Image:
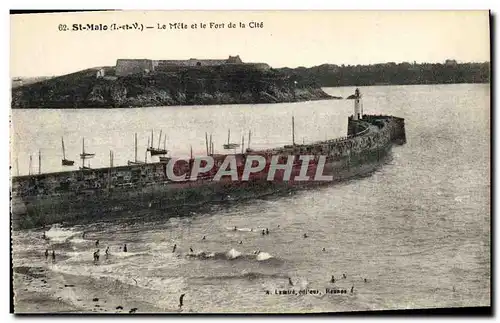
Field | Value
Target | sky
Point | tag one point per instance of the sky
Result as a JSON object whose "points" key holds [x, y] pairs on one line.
{"points": [[286, 38]]}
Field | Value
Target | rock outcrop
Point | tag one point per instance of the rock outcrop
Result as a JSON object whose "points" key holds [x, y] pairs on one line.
{"points": [[190, 86]]}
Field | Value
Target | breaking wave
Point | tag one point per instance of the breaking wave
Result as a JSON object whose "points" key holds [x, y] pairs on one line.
{"points": [[232, 254], [59, 235]]}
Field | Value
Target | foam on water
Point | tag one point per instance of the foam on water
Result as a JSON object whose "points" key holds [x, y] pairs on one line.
{"points": [[58, 234], [233, 254], [263, 256]]}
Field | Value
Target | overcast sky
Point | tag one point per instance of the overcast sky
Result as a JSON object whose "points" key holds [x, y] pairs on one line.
{"points": [[288, 38]]}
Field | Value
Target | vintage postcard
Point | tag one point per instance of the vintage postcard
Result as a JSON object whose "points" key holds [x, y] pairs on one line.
{"points": [[250, 161]]}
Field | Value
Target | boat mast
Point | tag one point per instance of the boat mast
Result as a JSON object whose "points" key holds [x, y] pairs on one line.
{"points": [[165, 143], [228, 135], [191, 152], [135, 147], [242, 144], [83, 153], [39, 162], [211, 145], [29, 170], [293, 130], [249, 136], [151, 138], [159, 141], [109, 171], [206, 142], [64, 151]]}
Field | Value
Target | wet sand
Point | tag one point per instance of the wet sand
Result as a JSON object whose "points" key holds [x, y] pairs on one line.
{"points": [[38, 290]]}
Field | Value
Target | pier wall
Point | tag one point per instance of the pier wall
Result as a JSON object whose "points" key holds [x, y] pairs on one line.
{"points": [[54, 197]]}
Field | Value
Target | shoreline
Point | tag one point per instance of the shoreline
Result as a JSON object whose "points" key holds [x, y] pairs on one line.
{"points": [[151, 105], [39, 290]]}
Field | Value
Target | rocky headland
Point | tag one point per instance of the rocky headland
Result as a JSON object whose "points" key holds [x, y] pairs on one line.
{"points": [[185, 86]]}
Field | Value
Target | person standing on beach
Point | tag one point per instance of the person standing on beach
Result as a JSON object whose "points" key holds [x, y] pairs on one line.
{"points": [[181, 300], [53, 256], [175, 247], [46, 254], [107, 252], [97, 243], [125, 247]]}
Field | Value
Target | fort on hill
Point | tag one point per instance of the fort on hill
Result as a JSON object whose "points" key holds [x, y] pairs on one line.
{"points": [[147, 82], [125, 67]]}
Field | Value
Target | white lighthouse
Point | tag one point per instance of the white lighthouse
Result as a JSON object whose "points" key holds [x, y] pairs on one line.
{"points": [[358, 106]]}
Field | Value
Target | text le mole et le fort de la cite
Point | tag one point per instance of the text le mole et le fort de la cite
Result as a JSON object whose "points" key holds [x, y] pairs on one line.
{"points": [[162, 26]]}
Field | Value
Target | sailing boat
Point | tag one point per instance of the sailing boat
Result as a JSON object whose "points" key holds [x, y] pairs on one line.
{"points": [[165, 159], [157, 151], [65, 162], [85, 155], [230, 145], [135, 161]]}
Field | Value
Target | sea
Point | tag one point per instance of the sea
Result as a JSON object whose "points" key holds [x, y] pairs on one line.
{"points": [[414, 234]]}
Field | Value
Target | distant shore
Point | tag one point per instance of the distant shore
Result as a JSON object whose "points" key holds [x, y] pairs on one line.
{"points": [[451, 72]]}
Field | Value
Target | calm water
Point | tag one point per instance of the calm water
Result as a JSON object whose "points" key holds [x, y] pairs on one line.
{"points": [[418, 229]]}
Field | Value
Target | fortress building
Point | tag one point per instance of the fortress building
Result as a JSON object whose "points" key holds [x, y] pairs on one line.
{"points": [[126, 67]]}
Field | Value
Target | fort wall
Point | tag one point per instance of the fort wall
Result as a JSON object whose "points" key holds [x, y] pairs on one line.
{"points": [[126, 67]]}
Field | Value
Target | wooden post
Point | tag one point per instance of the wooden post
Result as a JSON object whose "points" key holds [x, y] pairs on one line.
{"points": [[39, 162]]}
